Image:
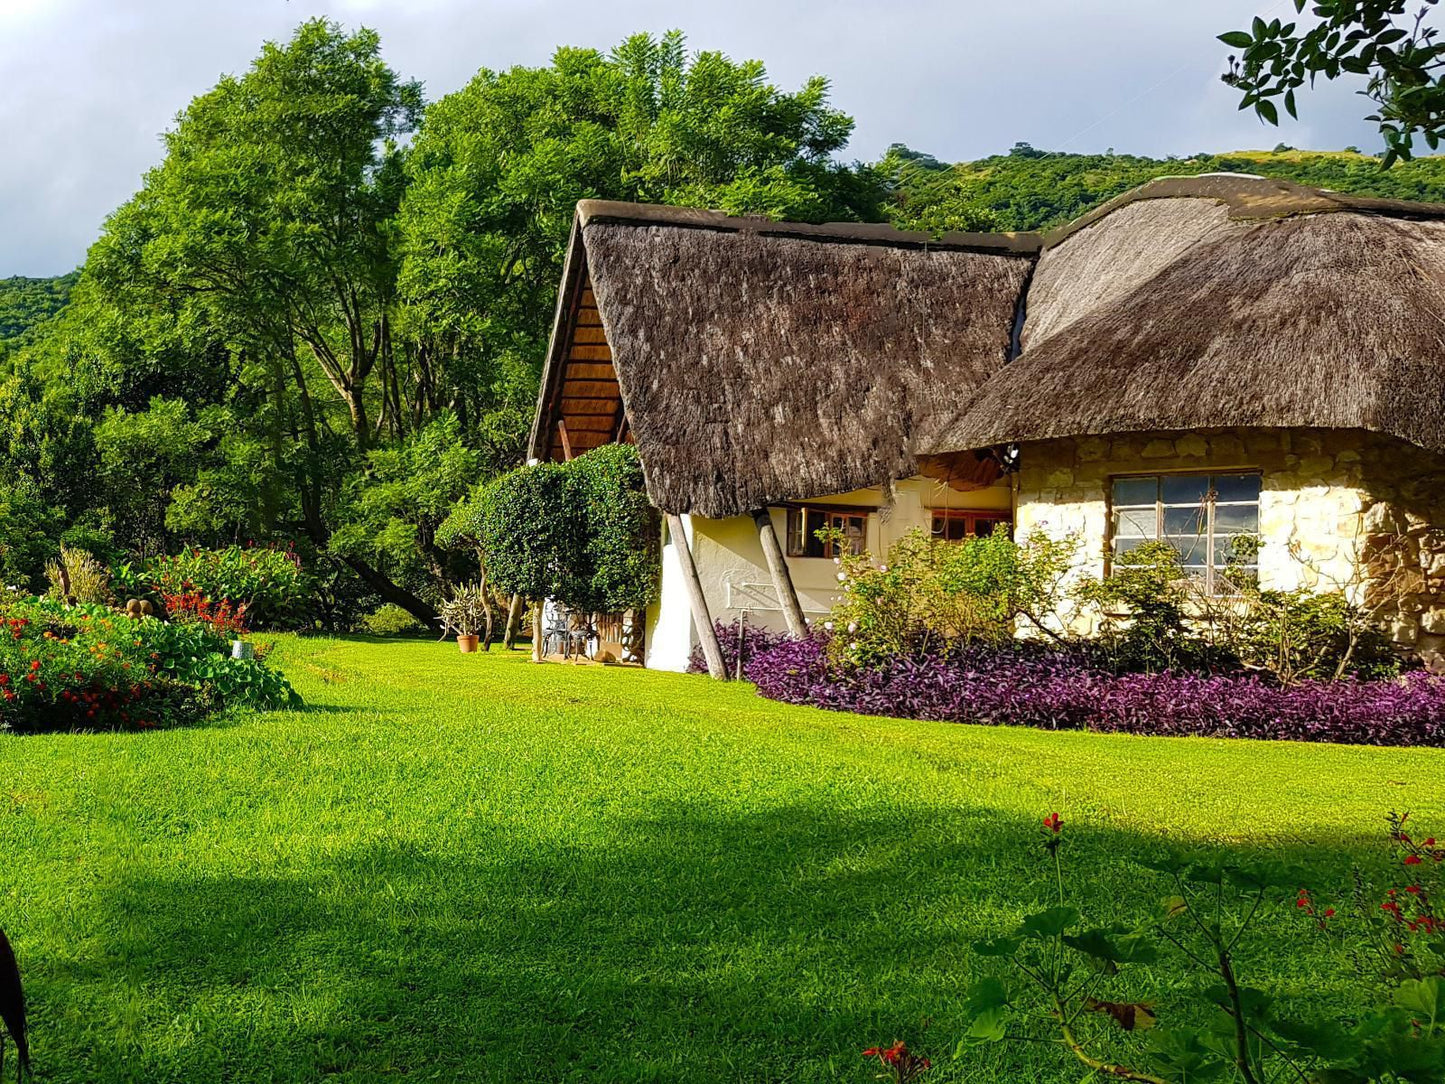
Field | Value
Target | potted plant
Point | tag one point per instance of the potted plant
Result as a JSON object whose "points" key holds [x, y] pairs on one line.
{"points": [[465, 614]]}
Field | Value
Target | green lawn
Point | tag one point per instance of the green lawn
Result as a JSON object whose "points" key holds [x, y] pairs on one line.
{"points": [[471, 868]]}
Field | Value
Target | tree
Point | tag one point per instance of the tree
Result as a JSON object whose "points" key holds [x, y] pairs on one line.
{"points": [[497, 169], [1400, 54]]}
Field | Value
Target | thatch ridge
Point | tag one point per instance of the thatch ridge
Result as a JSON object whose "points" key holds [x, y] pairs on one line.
{"points": [[758, 367]]}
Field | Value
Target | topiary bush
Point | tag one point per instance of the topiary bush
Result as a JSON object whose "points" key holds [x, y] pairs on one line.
{"points": [[582, 532], [86, 667]]}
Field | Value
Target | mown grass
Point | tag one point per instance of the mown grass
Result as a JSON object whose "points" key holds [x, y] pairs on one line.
{"points": [[468, 868]]}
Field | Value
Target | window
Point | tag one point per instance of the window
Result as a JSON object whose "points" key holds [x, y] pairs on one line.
{"points": [[805, 523], [1197, 514], [956, 524]]}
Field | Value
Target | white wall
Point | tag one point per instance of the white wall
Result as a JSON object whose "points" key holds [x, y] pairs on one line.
{"points": [[735, 575]]}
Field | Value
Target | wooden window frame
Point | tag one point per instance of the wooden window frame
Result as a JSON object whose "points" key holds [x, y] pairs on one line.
{"points": [[800, 530], [971, 518], [1210, 534]]}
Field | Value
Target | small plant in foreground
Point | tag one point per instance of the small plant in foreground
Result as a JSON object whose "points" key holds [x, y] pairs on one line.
{"points": [[1079, 988], [900, 1064]]}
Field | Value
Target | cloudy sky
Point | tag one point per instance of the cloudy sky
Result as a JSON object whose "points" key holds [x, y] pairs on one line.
{"points": [[91, 84]]}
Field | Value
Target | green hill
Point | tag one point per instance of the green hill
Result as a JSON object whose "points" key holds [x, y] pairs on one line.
{"points": [[1030, 189], [27, 303]]}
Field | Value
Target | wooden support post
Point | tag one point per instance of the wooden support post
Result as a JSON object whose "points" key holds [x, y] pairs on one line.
{"points": [[700, 616], [514, 621], [566, 440], [782, 580]]}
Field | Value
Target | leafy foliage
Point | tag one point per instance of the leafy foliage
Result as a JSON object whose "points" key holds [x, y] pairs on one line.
{"points": [[930, 594], [1067, 966], [267, 581], [581, 532], [1391, 42]]}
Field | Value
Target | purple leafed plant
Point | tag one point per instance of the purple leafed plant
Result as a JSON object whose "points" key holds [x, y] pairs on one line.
{"points": [[733, 636], [1027, 685]]}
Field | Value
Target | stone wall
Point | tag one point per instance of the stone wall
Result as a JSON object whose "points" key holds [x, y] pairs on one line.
{"points": [[1338, 510]]}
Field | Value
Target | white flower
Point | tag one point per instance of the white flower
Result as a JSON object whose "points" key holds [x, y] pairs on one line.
{"points": [[837, 560], [842, 577], [854, 645], [852, 626], [882, 568], [828, 625]]}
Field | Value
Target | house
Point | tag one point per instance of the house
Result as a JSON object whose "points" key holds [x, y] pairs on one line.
{"points": [[1198, 358]]}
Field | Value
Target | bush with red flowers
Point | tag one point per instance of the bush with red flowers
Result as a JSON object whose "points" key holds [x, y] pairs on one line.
{"points": [[86, 667], [267, 583]]}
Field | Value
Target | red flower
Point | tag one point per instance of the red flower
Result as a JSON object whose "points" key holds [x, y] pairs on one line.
{"points": [[1329, 912], [1053, 823], [1414, 890], [35, 664], [1412, 860]]}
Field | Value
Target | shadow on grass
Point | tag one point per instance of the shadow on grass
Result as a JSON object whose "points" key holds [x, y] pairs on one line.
{"points": [[686, 947]]}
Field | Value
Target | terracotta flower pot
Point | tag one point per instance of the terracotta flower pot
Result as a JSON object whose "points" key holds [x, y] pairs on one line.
{"points": [[468, 644]]}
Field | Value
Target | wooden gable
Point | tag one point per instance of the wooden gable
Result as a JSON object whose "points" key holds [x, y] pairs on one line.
{"points": [[588, 411]]}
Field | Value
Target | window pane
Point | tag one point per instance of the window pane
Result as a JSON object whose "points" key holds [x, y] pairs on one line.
{"points": [[984, 527], [1185, 521], [1236, 487], [1124, 546], [816, 522], [1135, 491], [797, 531], [1135, 522], [1185, 488], [1191, 549], [1236, 518], [955, 529]]}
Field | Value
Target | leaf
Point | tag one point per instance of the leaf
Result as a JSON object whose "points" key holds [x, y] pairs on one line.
{"points": [[1266, 110], [988, 1005], [999, 946], [1114, 945], [1047, 924], [1173, 906], [1421, 996], [1237, 38], [1289, 104], [1129, 1015]]}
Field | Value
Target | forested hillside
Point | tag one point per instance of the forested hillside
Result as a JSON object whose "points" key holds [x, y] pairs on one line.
{"points": [[27, 303], [1030, 189]]}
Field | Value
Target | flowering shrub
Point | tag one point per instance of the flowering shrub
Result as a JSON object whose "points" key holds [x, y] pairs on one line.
{"points": [[193, 608], [267, 580], [69, 667], [1076, 987], [735, 637], [899, 1063], [1026, 684], [928, 593]]}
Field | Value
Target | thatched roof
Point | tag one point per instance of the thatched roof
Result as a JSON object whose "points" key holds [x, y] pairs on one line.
{"points": [[758, 362], [1228, 301]]}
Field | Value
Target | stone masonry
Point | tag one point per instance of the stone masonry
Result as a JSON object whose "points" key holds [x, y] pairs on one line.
{"points": [[1339, 510]]}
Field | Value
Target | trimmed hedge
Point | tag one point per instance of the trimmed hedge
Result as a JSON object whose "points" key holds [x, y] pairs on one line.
{"points": [[1027, 685]]}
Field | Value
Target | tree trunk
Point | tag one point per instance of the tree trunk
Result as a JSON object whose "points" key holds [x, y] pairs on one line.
{"points": [[537, 631], [782, 581], [514, 621], [392, 593], [706, 633]]}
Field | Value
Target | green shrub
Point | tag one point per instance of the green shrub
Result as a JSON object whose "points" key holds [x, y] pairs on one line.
{"points": [[929, 594], [581, 532], [267, 580], [390, 619], [86, 667]]}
